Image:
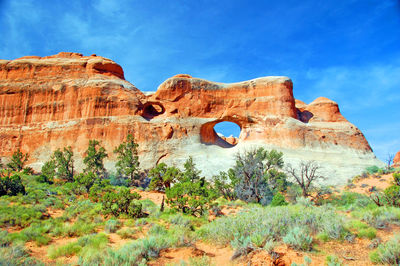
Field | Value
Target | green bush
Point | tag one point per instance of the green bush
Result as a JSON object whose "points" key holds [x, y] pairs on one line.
{"points": [[333, 260], [11, 186], [162, 177], [372, 169], [112, 226], [65, 250], [138, 252], [126, 233], [123, 202], [86, 179], [192, 194], [83, 246], [19, 215], [274, 223], [278, 200], [387, 253], [299, 239], [17, 255], [369, 233]]}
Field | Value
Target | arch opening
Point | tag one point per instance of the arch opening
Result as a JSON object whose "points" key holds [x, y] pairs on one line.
{"points": [[150, 110], [222, 133]]}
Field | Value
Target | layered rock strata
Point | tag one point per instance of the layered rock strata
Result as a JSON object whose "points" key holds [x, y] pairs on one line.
{"points": [[66, 99]]}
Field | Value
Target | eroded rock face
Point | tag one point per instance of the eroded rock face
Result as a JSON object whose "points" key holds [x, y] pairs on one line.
{"points": [[396, 160], [65, 100]]}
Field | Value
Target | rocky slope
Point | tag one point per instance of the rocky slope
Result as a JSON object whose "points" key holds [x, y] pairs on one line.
{"points": [[67, 99]]}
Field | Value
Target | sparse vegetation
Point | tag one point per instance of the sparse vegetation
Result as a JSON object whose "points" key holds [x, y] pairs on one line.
{"points": [[251, 207]]}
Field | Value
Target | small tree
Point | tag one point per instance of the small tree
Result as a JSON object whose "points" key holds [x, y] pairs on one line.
{"points": [[48, 172], [225, 183], [191, 173], [64, 163], [255, 170], [128, 159], [192, 194], [389, 160], [306, 175], [18, 161], [163, 176], [95, 155]]}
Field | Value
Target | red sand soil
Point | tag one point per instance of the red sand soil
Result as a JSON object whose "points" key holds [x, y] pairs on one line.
{"points": [[217, 254], [380, 183]]}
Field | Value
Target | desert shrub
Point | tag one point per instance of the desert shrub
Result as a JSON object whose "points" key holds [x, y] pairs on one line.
{"points": [[333, 260], [274, 223], [362, 230], [118, 180], [19, 215], [293, 192], [93, 243], [11, 186], [83, 207], [307, 262], [372, 169], [192, 194], [112, 225], [224, 184], [298, 238], [349, 200], [163, 176], [378, 217], [255, 170], [387, 253], [126, 233], [305, 202], [138, 252], [17, 255], [87, 179], [278, 200], [98, 189], [65, 250], [123, 202], [79, 228], [4, 240], [369, 233], [37, 232]]}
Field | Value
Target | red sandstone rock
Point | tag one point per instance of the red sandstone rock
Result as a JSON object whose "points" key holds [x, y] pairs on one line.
{"points": [[66, 99], [396, 160]]}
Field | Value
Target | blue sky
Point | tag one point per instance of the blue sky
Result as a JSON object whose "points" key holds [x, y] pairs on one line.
{"points": [[348, 51]]}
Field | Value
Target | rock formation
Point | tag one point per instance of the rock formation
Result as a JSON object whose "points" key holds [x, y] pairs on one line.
{"points": [[66, 99], [396, 160]]}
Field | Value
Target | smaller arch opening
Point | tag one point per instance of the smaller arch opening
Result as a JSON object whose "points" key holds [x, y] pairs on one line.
{"points": [[222, 133], [151, 109]]}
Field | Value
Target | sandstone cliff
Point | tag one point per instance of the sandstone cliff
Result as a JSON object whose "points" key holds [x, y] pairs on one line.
{"points": [[396, 160], [67, 99]]}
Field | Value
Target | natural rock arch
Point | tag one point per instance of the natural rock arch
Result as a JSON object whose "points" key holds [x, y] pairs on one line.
{"points": [[209, 136]]}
